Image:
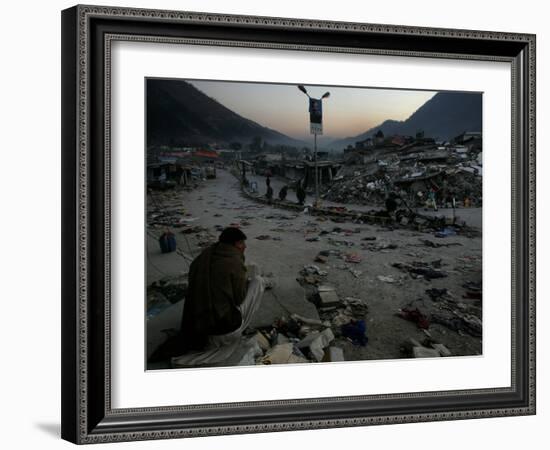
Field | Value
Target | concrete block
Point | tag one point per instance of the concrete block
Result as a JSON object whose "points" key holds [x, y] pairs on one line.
{"points": [[423, 352], [443, 351], [328, 298], [333, 354], [280, 354], [262, 341]]}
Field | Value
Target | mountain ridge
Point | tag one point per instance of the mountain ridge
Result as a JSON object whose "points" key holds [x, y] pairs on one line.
{"points": [[180, 114], [444, 116]]}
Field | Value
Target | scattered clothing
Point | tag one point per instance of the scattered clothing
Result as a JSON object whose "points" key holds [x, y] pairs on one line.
{"points": [[355, 330]]}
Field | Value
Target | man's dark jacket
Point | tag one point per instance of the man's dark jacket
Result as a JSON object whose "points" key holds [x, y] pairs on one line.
{"points": [[217, 286]]}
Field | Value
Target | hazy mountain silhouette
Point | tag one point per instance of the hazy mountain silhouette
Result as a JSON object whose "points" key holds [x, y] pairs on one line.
{"points": [[444, 116], [180, 114]]}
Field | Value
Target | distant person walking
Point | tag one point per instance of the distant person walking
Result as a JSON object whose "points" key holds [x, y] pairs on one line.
{"points": [[282, 193], [267, 180], [269, 194], [300, 193], [431, 199], [391, 203]]}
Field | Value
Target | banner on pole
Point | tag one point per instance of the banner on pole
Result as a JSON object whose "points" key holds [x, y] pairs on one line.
{"points": [[316, 116], [316, 128]]}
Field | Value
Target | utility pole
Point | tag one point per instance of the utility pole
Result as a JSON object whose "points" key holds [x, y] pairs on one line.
{"points": [[316, 127], [316, 169]]}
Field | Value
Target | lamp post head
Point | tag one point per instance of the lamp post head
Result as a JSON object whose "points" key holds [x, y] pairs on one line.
{"points": [[326, 95], [303, 89]]}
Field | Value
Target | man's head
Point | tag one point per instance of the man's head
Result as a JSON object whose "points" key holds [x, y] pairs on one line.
{"points": [[233, 236]]}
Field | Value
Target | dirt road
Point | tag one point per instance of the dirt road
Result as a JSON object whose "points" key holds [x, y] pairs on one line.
{"points": [[282, 242]]}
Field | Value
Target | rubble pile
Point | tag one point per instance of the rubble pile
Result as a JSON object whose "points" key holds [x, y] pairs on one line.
{"points": [[344, 316], [298, 339], [460, 315], [165, 292], [411, 171], [429, 348]]}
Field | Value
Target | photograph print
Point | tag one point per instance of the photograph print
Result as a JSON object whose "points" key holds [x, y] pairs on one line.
{"points": [[304, 224]]}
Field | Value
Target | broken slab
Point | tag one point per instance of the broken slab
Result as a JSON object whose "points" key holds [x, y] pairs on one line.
{"points": [[306, 320], [281, 339], [317, 342], [262, 341], [423, 352], [327, 298], [295, 359], [333, 354], [168, 319], [443, 351], [280, 354], [386, 279], [287, 296]]}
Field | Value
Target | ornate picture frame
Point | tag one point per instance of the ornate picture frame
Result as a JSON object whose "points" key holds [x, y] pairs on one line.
{"points": [[88, 33]]}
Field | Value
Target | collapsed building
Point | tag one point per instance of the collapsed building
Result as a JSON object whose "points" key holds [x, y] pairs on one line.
{"points": [[451, 172], [169, 169]]}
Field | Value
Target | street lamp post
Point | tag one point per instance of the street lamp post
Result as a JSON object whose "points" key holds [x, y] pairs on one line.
{"points": [[316, 117]]}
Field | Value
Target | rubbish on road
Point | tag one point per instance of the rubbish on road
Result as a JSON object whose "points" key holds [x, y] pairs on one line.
{"points": [[437, 294], [317, 342], [473, 290], [467, 323], [340, 243], [379, 246], [424, 352], [355, 331], [268, 283], [320, 258], [280, 339], [387, 279], [326, 296], [446, 232], [473, 295], [307, 321], [369, 238], [432, 244], [420, 269], [358, 307], [263, 237], [443, 351], [414, 315], [313, 270], [353, 258], [313, 239], [289, 327], [191, 230], [295, 359], [280, 354], [333, 354], [173, 288], [156, 303], [262, 341], [428, 349], [340, 319]]}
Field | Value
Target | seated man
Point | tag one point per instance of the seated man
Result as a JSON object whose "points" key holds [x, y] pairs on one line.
{"points": [[222, 297]]}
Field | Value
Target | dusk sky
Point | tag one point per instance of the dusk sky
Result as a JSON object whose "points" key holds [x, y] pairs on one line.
{"points": [[347, 112]]}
